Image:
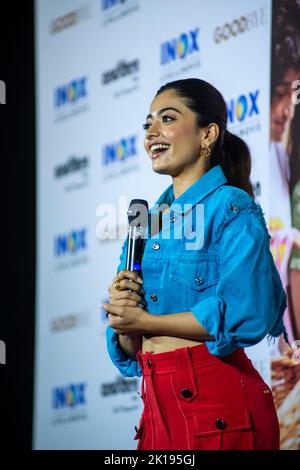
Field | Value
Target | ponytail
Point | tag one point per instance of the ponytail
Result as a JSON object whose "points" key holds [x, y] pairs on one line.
{"points": [[230, 152], [234, 157]]}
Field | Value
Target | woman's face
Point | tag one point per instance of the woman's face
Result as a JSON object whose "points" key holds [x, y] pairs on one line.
{"points": [[172, 124], [281, 105]]}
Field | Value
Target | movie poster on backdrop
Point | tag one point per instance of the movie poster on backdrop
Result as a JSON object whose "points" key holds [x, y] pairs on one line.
{"points": [[284, 221]]}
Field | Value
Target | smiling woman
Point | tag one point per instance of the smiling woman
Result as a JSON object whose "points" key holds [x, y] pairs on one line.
{"points": [[172, 125], [187, 322]]}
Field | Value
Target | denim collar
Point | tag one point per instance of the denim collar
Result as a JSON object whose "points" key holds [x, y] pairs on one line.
{"points": [[206, 184]]}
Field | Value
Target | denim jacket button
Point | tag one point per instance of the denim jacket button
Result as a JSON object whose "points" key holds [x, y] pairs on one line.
{"points": [[153, 297], [173, 218], [234, 208], [155, 246], [199, 281]]}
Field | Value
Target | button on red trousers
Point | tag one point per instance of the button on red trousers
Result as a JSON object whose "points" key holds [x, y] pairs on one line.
{"points": [[194, 400]]}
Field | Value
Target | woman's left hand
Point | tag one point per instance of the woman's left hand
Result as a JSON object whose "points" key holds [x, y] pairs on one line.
{"points": [[125, 319]]}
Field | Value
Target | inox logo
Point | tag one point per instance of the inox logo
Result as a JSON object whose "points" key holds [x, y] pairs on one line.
{"points": [[179, 48], [245, 106], [71, 242], [70, 92], [119, 151], [69, 397]]}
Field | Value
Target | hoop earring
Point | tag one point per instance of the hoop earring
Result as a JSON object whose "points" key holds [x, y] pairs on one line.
{"points": [[204, 152]]}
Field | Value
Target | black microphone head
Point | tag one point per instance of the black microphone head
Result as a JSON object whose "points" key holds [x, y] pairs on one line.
{"points": [[143, 202], [138, 213], [138, 223]]}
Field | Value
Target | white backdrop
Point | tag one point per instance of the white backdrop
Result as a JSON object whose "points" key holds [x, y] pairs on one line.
{"points": [[98, 66]]}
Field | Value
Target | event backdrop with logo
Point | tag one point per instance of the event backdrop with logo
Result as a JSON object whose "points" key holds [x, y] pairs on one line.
{"points": [[98, 66]]}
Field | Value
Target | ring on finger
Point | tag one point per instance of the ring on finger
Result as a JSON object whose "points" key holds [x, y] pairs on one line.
{"points": [[117, 284]]}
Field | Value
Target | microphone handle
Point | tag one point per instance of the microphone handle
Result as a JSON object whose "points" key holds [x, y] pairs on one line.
{"points": [[134, 254], [134, 250]]}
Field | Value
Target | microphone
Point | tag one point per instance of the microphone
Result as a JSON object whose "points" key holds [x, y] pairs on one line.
{"points": [[137, 224]]}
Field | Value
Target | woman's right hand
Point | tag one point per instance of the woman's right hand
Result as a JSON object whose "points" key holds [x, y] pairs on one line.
{"points": [[131, 289]]}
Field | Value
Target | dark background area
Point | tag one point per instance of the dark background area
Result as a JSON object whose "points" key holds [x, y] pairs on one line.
{"points": [[17, 149]]}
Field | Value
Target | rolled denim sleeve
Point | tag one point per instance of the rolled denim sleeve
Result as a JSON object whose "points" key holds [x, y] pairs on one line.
{"points": [[250, 301], [127, 366]]}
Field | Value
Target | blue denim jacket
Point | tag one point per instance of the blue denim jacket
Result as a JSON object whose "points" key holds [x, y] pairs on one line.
{"points": [[227, 278]]}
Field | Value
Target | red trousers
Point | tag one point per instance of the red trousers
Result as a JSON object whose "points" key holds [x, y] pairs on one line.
{"points": [[194, 400]]}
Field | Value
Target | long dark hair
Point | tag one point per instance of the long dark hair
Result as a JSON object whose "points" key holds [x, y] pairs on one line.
{"points": [[230, 152]]}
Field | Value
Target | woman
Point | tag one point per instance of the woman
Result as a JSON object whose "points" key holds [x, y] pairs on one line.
{"points": [[204, 301]]}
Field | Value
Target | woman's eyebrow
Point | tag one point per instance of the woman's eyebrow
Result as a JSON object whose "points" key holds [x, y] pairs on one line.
{"points": [[162, 110]]}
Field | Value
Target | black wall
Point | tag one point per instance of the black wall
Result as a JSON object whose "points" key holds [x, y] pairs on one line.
{"points": [[17, 167]]}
